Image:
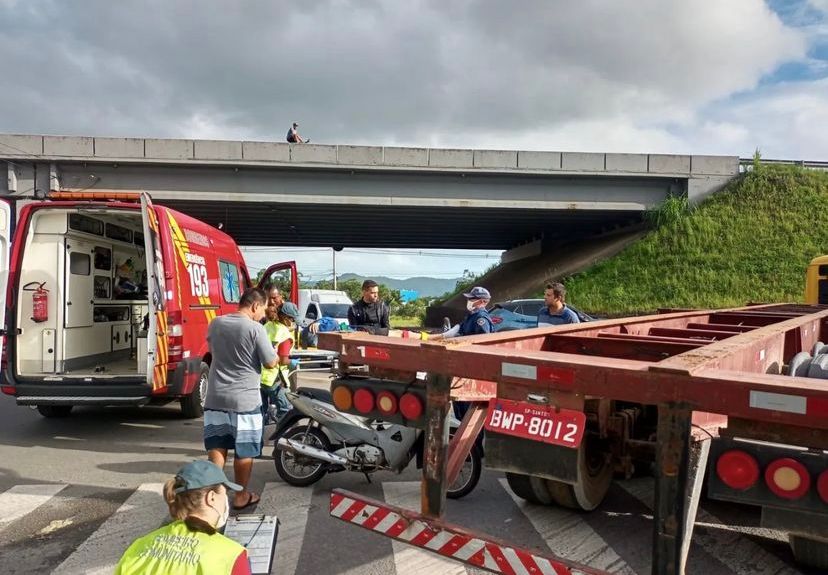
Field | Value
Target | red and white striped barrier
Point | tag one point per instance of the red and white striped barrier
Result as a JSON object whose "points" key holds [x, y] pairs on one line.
{"points": [[448, 540]]}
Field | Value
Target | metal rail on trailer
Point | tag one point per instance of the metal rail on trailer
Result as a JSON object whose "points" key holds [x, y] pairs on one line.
{"points": [[700, 368]]}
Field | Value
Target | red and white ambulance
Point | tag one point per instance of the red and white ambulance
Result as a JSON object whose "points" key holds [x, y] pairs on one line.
{"points": [[109, 299]]}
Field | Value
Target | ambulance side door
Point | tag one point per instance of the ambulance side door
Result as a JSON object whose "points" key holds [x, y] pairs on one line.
{"points": [[284, 276]]}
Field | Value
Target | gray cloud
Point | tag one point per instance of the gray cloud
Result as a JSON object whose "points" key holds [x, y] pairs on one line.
{"points": [[621, 74]]}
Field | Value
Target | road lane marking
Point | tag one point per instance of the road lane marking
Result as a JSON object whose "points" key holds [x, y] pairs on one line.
{"points": [[144, 511], [21, 500], [291, 506], [726, 545], [410, 560], [569, 536]]}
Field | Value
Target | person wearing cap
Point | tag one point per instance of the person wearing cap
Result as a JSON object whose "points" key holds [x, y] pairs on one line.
{"points": [[556, 311], [190, 544], [279, 328], [233, 404], [477, 319], [293, 136]]}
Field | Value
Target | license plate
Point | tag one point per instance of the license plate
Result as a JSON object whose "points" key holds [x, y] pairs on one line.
{"points": [[536, 422]]}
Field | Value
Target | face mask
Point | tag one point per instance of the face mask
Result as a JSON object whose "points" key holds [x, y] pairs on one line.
{"points": [[223, 515], [470, 305]]}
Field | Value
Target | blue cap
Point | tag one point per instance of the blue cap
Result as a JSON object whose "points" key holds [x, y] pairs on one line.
{"points": [[478, 292], [200, 474], [289, 309]]}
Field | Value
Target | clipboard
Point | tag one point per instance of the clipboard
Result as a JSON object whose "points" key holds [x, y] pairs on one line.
{"points": [[257, 533]]}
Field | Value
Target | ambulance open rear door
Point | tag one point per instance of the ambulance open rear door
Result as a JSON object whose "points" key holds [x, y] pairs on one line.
{"points": [[157, 345], [5, 244]]}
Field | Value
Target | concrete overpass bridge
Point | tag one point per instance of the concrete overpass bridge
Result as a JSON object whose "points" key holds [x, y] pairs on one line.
{"points": [[267, 193]]}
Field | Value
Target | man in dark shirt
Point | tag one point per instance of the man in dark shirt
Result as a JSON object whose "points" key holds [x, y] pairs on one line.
{"points": [[369, 314]]}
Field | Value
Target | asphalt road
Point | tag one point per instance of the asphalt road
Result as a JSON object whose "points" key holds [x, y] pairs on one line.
{"points": [[74, 492]]}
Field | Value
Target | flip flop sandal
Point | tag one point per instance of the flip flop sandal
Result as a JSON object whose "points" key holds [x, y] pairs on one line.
{"points": [[252, 500]]}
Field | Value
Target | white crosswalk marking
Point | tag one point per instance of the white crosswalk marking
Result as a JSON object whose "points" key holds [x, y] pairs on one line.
{"points": [[410, 560], [731, 548], [290, 505], [21, 500], [569, 536], [141, 513]]}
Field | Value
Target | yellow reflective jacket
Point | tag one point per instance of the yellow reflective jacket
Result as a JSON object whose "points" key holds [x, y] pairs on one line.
{"points": [[175, 549], [277, 332]]}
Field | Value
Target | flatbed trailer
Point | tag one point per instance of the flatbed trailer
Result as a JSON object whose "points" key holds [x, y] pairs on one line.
{"points": [[589, 400]]}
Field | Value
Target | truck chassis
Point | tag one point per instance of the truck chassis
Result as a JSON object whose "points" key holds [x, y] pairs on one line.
{"points": [[664, 385]]}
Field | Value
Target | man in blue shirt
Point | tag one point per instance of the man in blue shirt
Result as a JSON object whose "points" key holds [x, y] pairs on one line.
{"points": [[478, 319], [556, 312]]}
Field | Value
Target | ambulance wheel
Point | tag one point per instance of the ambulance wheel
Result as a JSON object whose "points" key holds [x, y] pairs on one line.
{"points": [[532, 489], [51, 411], [594, 478], [810, 552], [192, 405]]}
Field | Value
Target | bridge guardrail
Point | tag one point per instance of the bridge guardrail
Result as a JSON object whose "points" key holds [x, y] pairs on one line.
{"points": [[746, 164]]}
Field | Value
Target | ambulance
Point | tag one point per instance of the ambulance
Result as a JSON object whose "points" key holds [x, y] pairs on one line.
{"points": [[109, 298]]}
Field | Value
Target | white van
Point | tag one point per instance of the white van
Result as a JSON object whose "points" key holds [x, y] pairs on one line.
{"points": [[316, 303]]}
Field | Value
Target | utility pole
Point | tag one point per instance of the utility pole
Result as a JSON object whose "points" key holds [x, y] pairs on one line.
{"points": [[335, 249]]}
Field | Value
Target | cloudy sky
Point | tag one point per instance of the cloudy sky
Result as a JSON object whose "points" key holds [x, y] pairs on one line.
{"points": [[671, 76]]}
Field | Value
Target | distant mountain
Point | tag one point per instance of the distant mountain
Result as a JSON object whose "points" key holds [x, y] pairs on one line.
{"points": [[424, 286]]}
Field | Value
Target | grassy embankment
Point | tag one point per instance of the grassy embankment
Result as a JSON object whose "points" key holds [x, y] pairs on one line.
{"points": [[749, 243]]}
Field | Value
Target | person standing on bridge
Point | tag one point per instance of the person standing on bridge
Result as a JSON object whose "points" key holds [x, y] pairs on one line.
{"points": [[556, 311], [369, 313], [293, 136], [233, 407]]}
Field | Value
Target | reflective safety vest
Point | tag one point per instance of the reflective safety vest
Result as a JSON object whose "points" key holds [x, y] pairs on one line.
{"points": [[277, 333], [175, 549]]}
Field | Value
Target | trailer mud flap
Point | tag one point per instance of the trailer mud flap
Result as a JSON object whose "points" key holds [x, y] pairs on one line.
{"points": [[448, 540], [527, 457]]}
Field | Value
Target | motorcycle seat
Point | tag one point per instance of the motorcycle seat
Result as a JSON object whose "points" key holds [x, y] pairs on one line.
{"points": [[318, 394]]}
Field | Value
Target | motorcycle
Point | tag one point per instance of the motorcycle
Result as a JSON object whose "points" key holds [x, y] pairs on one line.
{"points": [[332, 441]]}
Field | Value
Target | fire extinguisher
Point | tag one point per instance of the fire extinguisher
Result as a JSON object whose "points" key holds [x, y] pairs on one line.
{"points": [[40, 301]]}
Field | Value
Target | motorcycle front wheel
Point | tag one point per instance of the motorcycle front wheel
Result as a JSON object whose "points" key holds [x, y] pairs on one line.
{"points": [[469, 476], [298, 470]]}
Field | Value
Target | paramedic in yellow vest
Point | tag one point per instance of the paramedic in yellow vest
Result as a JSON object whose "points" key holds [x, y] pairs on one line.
{"points": [[191, 544], [279, 327]]}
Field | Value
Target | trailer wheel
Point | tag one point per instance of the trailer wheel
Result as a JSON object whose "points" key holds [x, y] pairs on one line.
{"points": [[52, 411], [532, 489], [594, 479], [810, 552], [192, 405]]}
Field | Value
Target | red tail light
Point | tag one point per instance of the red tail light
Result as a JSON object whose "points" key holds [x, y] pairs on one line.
{"points": [[496, 320], [787, 478], [387, 403], [822, 486], [410, 406], [175, 337], [7, 389], [364, 401], [737, 469]]}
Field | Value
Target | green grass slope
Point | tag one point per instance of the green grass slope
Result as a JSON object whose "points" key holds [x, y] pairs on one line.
{"points": [[751, 242]]}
